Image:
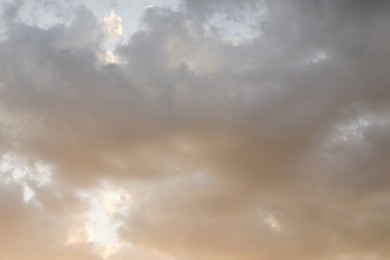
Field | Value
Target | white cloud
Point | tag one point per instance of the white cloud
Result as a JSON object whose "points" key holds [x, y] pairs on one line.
{"points": [[80, 234], [273, 223], [113, 24]]}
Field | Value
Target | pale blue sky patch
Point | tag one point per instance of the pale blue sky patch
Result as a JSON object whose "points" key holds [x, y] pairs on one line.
{"points": [[130, 12], [238, 25]]}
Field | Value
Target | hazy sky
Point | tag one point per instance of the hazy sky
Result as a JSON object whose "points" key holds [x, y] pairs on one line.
{"points": [[195, 130]]}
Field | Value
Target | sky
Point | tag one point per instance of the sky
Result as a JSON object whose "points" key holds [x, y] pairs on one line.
{"points": [[194, 130]]}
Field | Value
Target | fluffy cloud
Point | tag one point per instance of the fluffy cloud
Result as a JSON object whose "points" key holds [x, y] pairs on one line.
{"points": [[113, 23], [273, 146]]}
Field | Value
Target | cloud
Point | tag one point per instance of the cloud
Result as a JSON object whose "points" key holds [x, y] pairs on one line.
{"points": [[10, 10], [36, 231], [113, 24], [273, 148]]}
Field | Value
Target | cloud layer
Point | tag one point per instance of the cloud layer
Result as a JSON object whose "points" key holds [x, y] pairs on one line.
{"points": [[270, 145]]}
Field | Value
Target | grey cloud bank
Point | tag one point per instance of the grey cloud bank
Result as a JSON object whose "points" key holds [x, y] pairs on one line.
{"points": [[271, 147]]}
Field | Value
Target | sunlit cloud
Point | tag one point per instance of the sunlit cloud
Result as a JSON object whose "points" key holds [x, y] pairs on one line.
{"points": [[113, 24]]}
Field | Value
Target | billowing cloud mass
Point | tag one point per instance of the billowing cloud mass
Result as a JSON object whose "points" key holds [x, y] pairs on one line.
{"points": [[251, 129]]}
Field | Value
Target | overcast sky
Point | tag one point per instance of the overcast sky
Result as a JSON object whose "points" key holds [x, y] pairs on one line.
{"points": [[195, 130]]}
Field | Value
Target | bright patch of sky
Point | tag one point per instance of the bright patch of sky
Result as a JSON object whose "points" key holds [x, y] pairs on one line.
{"points": [[268, 218], [129, 11], [106, 203], [80, 234], [121, 19], [238, 26], [49, 13], [15, 169], [351, 132], [316, 57], [113, 24], [43, 14], [273, 223]]}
